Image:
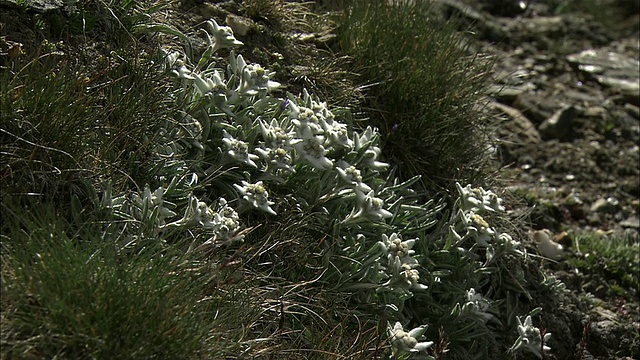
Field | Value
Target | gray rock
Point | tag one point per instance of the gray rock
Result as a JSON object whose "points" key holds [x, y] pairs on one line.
{"points": [[558, 126], [535, 107], [611, 69], [632, 222], [632, 110], [509, 93], [603, 205], [518, 128], [38, 5]]}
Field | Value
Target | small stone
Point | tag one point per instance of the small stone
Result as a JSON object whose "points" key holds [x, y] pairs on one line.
{"points": [[594, 219], [535, 107], [594, 111], [632, 110], [632, 222], [40, 6], [509, 93], [520, 129], [547, 247], [559, 125], [603, 205], [239, 25]]}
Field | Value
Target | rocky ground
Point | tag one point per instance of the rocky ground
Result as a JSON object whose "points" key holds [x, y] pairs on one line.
{"points": [[565, 95]]}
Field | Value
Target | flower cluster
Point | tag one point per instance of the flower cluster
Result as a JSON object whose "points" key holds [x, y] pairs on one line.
{"points": [[478, 199], [150, 207], [256, 195], [477, 305], [303, 134], [400, 265], [407, 342], [469, 222], [530, 338], [298, 147]]}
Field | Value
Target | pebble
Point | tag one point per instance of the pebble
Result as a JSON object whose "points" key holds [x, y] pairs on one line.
{"points": [[547, 247]]}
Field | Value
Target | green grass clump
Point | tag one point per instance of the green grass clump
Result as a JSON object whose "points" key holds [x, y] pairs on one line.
{"points": [[67, 293], [66, 114], [616, 258], [423, 89]]}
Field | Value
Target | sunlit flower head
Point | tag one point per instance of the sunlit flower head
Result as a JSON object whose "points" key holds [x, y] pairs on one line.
{"points": [[239, 150], [310, 149], [407, 342], [256, 195], [370, 206]]}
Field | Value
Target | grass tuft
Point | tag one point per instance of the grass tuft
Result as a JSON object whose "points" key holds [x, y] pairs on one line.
{"points": [[69, 294], [66, 115], [423, 91]]}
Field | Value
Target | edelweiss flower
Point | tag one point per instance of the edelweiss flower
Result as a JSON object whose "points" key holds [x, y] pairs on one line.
{"points": [[256, 79], [370, 159], [352, 175], [278, 158], [477, 228], [407, 342], [478, 198], [239, 149], [478, 305], [394, 247], [363, 139], [256, 195], [226, 222], [210, 84], [509, 243], [183, 73], [530, 338], [371, 206], [222, 37], [150, 201], [277, 137], [336, 134], [305, 119], [403, 275], [311, 149]]}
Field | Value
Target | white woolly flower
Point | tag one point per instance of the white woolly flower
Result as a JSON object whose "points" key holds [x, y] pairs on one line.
{"points": [[151, 201], [277, 137], [256, 195], [407, 342], [509, 243], [530, 338], [183, 73], [402, 274], [370, 206], [277, 158], [256, 79], [337, 134], [310, 149], [477, 228], [478, 305], [170, 59], [197, 213], [239, 150], [304, 119], [479, 199], [371, 159], [394, 247], [351, 175], [222, 37], [212, 84], [361, 140], [225, 222]]}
